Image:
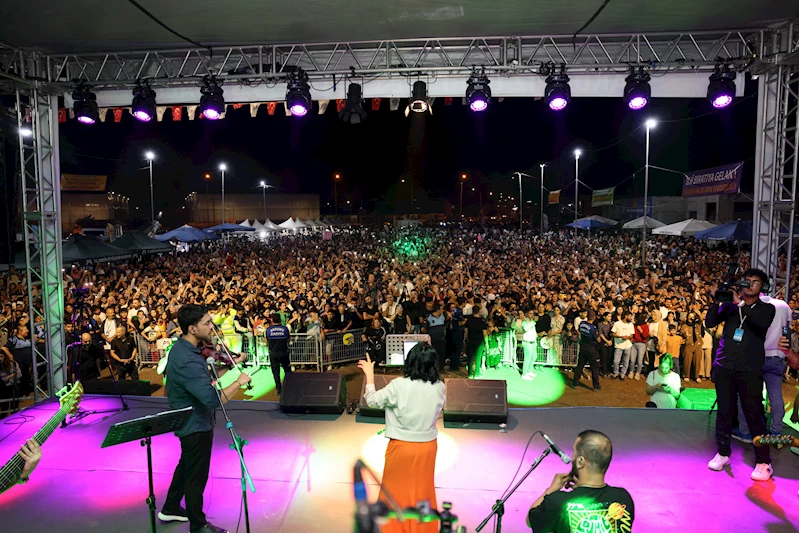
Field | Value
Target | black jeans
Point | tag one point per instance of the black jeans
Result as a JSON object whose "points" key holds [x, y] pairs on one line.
{"points": [[605, 359], [123, 371], [588, 354], [276, 360], [748, 386], [191, 476], [473, 360]]}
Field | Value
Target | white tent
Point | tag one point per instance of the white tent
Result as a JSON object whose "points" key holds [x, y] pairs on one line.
{"points": [[686, 228], [247, 223], [257, 225], [310, 223], [288, 224], [299, 224], [269, 225], [597, 218], [638, 223]]}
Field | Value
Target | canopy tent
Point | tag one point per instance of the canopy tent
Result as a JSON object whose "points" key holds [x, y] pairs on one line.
{"points": [[738, 230], [319, 223], [638, 223], [80, 248], [227, 227], [685, 228], [597, 218], [288, 224], [187, 234], [310, 223], [588, 223], [299, 224], [271, 226], [247, 223], [140, 242]]}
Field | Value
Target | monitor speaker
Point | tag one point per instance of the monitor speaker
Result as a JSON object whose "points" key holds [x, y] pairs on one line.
{"points": [[476, 400], [306, 392], [126, 387]]}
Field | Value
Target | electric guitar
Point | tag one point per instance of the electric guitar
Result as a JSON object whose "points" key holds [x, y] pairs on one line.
{"points": [[69, 398], [776, 440]]}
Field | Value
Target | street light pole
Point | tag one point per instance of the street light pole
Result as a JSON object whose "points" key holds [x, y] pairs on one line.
{"points": [[263, 188], [542, 197], [460, 209], [576, 183], [521, 200], [150, 156], [651, 123], [223, 168], [335, 192]]}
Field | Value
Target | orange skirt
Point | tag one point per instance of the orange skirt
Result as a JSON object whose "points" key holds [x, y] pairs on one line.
{"points": [[409, 476]]}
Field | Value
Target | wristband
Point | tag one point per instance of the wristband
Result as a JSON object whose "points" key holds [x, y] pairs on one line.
{"points": [[21, 481]]}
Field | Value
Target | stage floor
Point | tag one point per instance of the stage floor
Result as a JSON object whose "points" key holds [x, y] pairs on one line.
{"points": [[302, 467]]}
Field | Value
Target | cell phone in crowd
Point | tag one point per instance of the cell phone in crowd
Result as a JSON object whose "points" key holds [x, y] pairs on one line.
{"points": [[786, 331]]}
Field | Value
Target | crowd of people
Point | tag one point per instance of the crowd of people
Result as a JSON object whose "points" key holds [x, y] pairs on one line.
{"points": [[440, 280]]}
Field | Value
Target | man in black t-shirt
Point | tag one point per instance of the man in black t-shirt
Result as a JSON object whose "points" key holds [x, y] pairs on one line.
{"points": [[123, 355], [476, 332], [591, 505]]}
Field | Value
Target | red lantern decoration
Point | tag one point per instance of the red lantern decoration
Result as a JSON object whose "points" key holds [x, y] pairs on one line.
{"points": [[177, 113], [375, 104], [62, 115], [270, 107], [237, 106], [340, 105], [117, 114]]}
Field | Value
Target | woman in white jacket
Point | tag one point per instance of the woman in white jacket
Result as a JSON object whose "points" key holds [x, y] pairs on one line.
{"points": [[413, 404]]}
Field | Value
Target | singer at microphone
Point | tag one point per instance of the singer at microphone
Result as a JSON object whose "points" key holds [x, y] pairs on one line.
{"points": [[591, 504], [189, 384]]}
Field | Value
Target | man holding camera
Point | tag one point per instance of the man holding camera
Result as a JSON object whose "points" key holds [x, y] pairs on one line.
{"points": [[738, 368]]}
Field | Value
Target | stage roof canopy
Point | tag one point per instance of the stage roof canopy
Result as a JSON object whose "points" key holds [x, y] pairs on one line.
{"points": [[100, 25]]}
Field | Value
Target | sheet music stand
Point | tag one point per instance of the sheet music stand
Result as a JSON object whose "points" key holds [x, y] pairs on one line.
{"points": [[144, 429]]}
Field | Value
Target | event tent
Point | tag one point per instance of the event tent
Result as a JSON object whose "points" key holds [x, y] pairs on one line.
{"points": [[597, 218], [737, 230], [140, 242], [270, 226], [685, 228], [227, 227], [588, 223], [247, 223], [188, 234], [288, 224], [299, 224], [638, 223]]}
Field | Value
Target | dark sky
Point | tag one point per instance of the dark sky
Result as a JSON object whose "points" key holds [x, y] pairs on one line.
{"points": [[302, 155]]}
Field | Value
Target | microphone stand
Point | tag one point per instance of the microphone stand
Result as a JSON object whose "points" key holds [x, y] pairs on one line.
{"points": [[238, 446], [499, 508]]}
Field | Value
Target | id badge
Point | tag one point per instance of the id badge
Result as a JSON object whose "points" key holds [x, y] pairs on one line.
{"points": [[739, 334]]}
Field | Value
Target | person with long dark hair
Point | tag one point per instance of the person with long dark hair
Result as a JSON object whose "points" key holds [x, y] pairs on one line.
{"points": [[413, 404]]}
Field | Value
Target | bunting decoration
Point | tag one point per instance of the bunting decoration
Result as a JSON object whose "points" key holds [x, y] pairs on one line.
{"points": [[72, 114], [159, 112], [340, 105], [62, 115], [177, 113], [447, 100], [117, 114], [191, 110], [286, 108], [554, 197], [270, 107], [375, 104], [254, 109], [394, 104], [103, 111], [237, 106], [323, 106]]}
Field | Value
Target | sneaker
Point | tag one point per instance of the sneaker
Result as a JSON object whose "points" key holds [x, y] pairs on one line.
{"points": [[685, 379], [209, 528], [699, 380], [621, 377], [173, 515], [614, 376], [529, 376], [637, 376], [743, 437], [599, 388], [762, 472], [795, 450], [630, 375], [718, 462]]}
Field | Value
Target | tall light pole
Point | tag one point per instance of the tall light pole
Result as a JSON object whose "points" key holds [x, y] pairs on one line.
{"points": [[335, 191], [150, 156], [263, 188], [542, 165], [651, 123], [577, 154], [460, 209], [521, 200], [223, 168]]}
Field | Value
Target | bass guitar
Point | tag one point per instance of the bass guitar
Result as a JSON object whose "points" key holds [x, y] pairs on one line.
{"points": [[775, 440], [69, 398]]}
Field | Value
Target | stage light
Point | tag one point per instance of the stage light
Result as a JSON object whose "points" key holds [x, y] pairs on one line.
{"points": [[298, 93], [557, 92], [85, 105], [353, 111], [25, 131], [143, 101], [418, 102], [478, 93], [637, 92], [721, 90], [212, 103]]}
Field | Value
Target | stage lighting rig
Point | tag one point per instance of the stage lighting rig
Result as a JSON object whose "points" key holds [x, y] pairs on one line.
{"points": [[212, 103], [478, 93], [143, 101], [353, 112], [418, 102], [721, 90], [85, 104], [557, 93], [298, 93], [637, 92]]}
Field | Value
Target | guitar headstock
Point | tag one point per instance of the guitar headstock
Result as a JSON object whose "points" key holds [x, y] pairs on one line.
{"points": [[70, 396], [774, 440]]}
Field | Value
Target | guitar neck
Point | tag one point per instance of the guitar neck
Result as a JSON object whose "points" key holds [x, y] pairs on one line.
{"points": [[12, 469]]}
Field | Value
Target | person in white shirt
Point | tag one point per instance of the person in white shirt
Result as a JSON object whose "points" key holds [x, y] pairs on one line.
{"points": [[526, 325], [413, 404], [663, 385], [622, 332]]}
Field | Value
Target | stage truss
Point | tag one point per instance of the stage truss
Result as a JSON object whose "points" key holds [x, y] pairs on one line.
{"points": [[37, 78]]}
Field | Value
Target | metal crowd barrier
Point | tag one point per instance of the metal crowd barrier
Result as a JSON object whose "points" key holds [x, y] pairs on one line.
{"points": [[344, 347], [563, 355], [150, 352]]}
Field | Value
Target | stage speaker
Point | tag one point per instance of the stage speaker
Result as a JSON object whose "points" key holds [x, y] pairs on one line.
{"points": [[476, 400], [126, 387], [381, 381], [306, 392]]}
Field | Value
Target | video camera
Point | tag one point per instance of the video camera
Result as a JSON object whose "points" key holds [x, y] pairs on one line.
{"points": [[724, 294]]}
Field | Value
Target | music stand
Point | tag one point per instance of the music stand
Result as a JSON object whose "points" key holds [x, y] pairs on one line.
{"points": [[145, 428]]}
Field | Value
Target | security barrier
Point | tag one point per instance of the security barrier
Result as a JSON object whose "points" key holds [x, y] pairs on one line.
{"points": [[559, 354], [343, 347], [150, 352]]}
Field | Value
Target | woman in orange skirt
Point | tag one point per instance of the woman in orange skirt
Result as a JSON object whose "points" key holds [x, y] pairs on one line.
{"points": [[413, 404]]}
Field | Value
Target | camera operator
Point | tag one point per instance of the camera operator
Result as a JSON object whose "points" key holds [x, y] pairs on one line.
{"points": [[89, 358], [738, 368]]}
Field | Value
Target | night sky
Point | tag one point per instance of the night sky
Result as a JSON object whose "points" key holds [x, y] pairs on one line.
{"points": [[303, 154]]}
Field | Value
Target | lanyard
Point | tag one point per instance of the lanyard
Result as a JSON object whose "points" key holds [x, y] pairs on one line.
{"points": [[742, 317]]}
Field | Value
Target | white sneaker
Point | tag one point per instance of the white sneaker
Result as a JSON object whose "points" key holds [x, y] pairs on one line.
{"points": [[630, 375], [719, 462], [685, 379], [528, 376], [762, 472], [637, 377], [699, 380]]}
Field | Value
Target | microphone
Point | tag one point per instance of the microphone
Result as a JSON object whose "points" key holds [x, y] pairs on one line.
{"points": [[557, 450], [363, 517], [211, 361]]}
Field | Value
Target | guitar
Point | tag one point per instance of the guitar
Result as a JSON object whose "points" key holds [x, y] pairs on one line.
{"points": [[776, 440], [69, 398]]}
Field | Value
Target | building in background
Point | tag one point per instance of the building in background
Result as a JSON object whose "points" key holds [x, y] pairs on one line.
{"points": [[85, 199], [206, 209], [669, 209]]}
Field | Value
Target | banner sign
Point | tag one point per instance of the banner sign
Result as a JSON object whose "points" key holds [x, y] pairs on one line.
{"points": [[718, 180], [78, 182], [602, 197], [554, 197]]}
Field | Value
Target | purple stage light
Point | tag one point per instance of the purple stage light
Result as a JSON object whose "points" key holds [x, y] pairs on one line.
{"points": [[83, 119], [212, 114], [722, 100], [558, 103], [639, 102], [143, 116], [478, 105], [298, 110]]}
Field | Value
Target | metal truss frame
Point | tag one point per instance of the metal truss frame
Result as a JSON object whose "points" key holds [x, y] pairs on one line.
{"points": [[510, 55], [776, 158], [40, 177]]}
